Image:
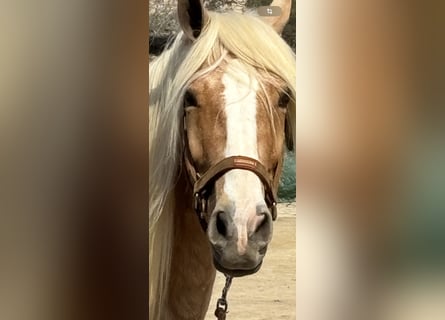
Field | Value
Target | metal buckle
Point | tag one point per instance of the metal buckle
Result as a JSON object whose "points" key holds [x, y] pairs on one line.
{"points": [[200, 205], [222, 304], [197, 202], [274, 211], [203, 208]]}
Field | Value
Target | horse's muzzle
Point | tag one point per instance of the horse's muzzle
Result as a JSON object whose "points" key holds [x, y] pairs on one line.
{"points": [[235, 272], [237, 251]]}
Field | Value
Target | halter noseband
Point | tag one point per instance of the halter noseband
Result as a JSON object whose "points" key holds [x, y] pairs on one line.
{"points": [[202, 183]]}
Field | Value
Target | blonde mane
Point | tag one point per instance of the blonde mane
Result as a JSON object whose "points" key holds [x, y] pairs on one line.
{"points": [[244, 37]]}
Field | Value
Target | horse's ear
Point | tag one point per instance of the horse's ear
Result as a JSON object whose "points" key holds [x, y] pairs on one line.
{"points": [[192, 17], [288, 135], [278, 22]]}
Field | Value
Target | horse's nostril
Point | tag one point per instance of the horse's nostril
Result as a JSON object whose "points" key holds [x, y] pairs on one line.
{"points": [[263, 222], [263, 218], [221, 224], [263, 229]]}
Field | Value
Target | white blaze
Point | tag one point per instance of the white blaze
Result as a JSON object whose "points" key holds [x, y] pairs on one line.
{"points": [[242, 187]]}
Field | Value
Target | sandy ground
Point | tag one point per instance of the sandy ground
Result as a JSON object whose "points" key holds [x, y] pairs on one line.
{"points": [[270, 293]]}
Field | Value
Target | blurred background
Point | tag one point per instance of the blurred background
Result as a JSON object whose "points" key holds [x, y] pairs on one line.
{"points": [[73, 159], [370, 160]]}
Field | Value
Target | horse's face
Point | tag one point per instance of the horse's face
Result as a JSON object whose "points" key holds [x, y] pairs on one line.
{"points": [[226, 115]]}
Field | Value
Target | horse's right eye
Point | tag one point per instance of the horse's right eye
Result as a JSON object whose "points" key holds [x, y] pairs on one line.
{"points": [[190, 100]]}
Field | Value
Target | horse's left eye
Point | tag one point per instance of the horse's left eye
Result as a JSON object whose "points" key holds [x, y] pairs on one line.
{"points": [[284, 99], [190, 100]]}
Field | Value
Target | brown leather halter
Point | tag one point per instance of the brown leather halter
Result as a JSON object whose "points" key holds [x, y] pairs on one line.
{"points": [[202, 184]]}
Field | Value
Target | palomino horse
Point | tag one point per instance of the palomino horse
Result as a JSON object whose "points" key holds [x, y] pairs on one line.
{"points": [[221, 108]]}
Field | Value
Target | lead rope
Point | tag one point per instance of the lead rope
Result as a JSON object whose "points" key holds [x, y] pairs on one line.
{"points": [[221, 305]]}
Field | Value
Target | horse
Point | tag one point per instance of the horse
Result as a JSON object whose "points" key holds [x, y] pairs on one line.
{"points": [[221, 111]]}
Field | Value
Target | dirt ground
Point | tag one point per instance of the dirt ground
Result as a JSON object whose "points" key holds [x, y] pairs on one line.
{"points": [[270, 293]]}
